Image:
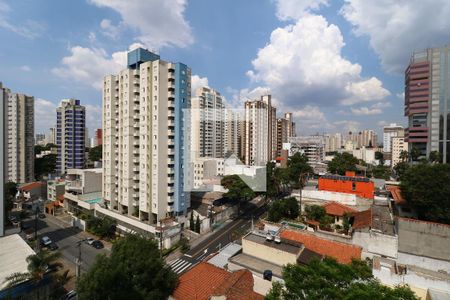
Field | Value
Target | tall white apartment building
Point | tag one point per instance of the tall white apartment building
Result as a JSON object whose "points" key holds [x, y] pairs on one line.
{"points": [[3, 153], [143, 138], [233, 132], [398, 145], [333, 142], [20, 137], [393, 130], [207, 123], [260, 144], [285, 130]]}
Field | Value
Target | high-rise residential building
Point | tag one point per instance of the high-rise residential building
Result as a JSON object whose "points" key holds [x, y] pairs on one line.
{"points": [[260, 134], [144, 143], [50, 137], [427, 101], [207, 123], [3, 153], [285, 130], [312, 147], [20, 138], [98, 137], [233, 132], [398, 146], [333, 142], [393, 130], [40, 139], [70, 135], [369, 138]]}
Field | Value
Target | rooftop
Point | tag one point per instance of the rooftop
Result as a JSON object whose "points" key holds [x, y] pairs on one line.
{"points": [[337, 209], [205, 280], [396, 194], [381, 219], [362, 219], [13, 254], [345, 178], [343, 253], [31, 186], [221, 259], [280, 246], [255, 264]]}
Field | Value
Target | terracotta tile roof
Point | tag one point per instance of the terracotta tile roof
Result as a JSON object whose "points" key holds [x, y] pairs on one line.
{"points": [[205, 280], [343, 253], [362, 219], [30, 186], [396, 194], [337, 209]]}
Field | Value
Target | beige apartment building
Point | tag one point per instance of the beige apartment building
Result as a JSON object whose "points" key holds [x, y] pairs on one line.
{"points": [[398, 145]]}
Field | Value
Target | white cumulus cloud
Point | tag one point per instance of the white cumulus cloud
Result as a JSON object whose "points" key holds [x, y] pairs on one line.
{"points": [[365, 111], [44, 115], [90, 65], [396, 28], [295, 9], [302, 64], [198, 82], [159, 23]]}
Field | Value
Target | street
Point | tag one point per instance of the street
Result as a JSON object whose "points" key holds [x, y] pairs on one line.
{"points": [[66, 237], [219, 239]]}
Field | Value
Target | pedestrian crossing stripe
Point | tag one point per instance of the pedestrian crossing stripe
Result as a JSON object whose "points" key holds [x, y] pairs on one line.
{"points": [[179, 265]]}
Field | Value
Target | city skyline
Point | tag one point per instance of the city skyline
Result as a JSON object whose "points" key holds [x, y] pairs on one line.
{"points": [[358, 86]]}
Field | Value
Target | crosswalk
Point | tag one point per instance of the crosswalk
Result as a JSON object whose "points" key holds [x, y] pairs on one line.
{"points": [[180, 265]]}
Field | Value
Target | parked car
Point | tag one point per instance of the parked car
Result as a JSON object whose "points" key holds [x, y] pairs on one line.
{"points": [[46, 241], [29, 233], [97, 244], [42, 216], [53, 246], [89, 241], [14, 220]]}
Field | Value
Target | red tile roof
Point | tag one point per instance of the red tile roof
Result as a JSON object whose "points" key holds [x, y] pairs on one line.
{"points": [[30, 186], [205, 280], [362, 219], [396, 194], [343, 253], [337, 209]]}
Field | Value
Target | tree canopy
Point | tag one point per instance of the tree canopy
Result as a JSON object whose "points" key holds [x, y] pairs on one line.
{"points": [[10, 193], [44, 165], [285, 208], [328, 279], [237, 189], [134, 270], [96, 153], [426, 188], [298, 169], [342, 162]]}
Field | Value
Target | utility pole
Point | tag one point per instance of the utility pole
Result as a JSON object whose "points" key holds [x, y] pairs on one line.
{"points": [[35, 228], [78, 259]]}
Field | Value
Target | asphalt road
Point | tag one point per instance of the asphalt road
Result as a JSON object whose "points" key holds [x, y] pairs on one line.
{"points": [[66, 237], [220, 238]]}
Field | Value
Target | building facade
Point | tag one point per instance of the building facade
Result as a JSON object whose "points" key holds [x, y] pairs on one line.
{"points": [[98, 137], [207, 123], [18, 115], [427, 102], [285, 130], [3, 153], [143, 138], [233, 132], [333, 142], [389, 132], [398, 146], [313, 147], [70, 135], [260, 144], [349, 184]]}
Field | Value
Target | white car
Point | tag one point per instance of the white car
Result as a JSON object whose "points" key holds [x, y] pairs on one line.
{"points": [[46, 241], [89, 241]]}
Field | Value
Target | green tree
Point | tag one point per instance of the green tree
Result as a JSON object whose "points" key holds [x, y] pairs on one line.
{"points": [[44, 165], [96, 153], [342, 162], [134, 270], [400, 168], [38, 266], [272, 181], [287, 208], [415, 153], [197, 224], [238, 190], [298, 170], [379, 156], [102, 227], [10, 193], [328, 279], [381, 172], [191, 222], [315, 212], [404, 155], [426, 188], [435, 157], [346, 222]]}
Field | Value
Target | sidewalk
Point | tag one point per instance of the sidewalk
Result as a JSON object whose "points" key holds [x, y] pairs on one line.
{"points": [[200, 239]]}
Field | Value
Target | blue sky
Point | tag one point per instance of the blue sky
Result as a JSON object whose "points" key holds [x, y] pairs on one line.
{"points": [[337, 65]]}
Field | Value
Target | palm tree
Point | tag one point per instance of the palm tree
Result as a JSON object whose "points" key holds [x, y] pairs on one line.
{"points": [[404, 155], [38, 265]]}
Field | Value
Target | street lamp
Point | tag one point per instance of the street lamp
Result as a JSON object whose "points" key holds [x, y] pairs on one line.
{"points": [[78, 259]]}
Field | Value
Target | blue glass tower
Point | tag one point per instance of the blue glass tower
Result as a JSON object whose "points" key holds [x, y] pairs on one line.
{"points": [[70, 135]]}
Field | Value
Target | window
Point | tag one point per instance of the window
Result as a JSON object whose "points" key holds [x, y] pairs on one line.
{"points": [[353, 186]]}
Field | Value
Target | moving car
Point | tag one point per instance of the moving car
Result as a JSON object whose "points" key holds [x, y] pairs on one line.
{"points": [[97, 244]]}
